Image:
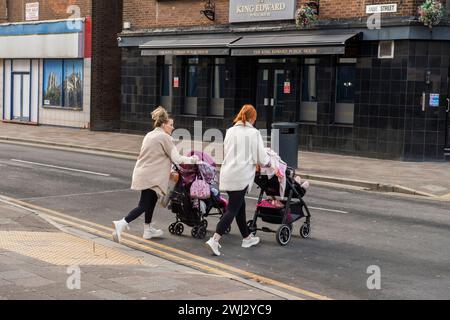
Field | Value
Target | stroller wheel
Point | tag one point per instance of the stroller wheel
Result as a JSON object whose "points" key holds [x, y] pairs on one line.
{"points": [[305, 231], [179, 229], [204, 223], [194, 232], [172, 228], [252, 227], [228, 230], [284, 235], [201, 232]]}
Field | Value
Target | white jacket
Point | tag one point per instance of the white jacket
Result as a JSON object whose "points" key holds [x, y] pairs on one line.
{"points": [[243, 150]]}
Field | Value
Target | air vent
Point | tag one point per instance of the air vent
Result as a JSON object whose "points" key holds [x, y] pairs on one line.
{"points": [[386, 50]]}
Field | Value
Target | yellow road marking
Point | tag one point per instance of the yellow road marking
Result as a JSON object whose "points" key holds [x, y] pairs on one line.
{"points": [[162, 254], [252, 276]]}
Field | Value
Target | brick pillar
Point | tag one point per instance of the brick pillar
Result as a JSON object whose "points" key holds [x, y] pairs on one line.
{"points": [[106, 61]]}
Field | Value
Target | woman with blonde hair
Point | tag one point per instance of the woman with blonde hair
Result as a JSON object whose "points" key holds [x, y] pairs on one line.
{"points": [[243, 151], [151, 173]]}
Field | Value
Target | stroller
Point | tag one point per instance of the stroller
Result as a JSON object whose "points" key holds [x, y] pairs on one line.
{"points": [[291, 207], [193, 212]]}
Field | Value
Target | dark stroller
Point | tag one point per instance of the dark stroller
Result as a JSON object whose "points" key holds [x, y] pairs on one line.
{"points": [[193, 212], [293, 209]]}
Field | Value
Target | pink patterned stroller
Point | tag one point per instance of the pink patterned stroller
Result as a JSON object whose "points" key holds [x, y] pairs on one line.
{"points": [[193, 212]]}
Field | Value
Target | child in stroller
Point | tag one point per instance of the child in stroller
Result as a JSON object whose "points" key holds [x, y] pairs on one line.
{"points": [[193, 211], [281, 209]]}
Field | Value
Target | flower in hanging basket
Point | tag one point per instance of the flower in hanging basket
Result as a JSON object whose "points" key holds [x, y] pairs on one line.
{"points": [[306, 16], [431, 13]]}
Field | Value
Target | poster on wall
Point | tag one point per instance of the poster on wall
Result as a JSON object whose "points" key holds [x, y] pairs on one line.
{"points": [[53, 82], [434, 99], [73, 83], [63, 83], [287, 87]]}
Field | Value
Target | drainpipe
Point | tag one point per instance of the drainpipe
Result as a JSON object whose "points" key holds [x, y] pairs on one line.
{"points": [[6, 10]]}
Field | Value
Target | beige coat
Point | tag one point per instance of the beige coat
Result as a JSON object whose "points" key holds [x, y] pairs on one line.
{"points": [[152, 169]]}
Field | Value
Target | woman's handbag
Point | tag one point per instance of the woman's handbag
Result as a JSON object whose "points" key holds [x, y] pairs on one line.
{"points": [[200, 190], [173, 180]]}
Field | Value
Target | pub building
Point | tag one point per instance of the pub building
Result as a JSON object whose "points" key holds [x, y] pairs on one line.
{"points": [[367, 79]]}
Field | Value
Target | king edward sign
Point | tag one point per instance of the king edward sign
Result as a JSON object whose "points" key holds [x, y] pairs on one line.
{"points": [[262, 10]]}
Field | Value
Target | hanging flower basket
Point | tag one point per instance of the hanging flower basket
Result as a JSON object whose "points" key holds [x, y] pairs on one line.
{"points": [[307, 15], [431, 13]]}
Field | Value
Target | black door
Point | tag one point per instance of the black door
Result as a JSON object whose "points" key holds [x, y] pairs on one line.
{"points": [[272, 86], [447, 127]]}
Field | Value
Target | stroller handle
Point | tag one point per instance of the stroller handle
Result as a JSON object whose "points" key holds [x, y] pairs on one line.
{"points": [[290, 172]]}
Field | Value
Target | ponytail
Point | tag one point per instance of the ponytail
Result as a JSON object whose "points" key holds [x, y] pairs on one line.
{"points": [[247, 113]]}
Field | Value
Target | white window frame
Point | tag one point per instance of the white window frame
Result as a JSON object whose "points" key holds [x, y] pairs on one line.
{"points": [[391, 56]]}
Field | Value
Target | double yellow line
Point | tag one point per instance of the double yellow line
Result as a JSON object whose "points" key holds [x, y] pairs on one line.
{"points": [[170, 253]]}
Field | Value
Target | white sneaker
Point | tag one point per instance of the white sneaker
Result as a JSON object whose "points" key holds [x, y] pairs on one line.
{"points": [[250, 242], [151, 232], [119, 226], [213, 246]]}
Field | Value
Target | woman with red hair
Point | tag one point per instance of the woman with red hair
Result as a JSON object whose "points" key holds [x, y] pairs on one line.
{"points": [[243, 151]]}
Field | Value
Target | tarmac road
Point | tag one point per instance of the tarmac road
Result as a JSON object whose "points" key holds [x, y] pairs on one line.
{"points": [[407, 238]]}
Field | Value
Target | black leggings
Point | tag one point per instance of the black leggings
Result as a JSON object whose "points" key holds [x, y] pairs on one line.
{"points": [[236, 209], [147, 204]]}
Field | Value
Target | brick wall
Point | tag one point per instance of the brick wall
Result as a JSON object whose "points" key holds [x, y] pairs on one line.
{"points": [[174, 13], [48, 9], [106, 61], [3, 13]]}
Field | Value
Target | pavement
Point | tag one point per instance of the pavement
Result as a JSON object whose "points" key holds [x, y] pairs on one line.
{"points": [[41, 259], [422, 179]]}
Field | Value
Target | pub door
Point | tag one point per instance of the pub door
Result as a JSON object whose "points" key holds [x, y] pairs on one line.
{"points": [[272, 86]]}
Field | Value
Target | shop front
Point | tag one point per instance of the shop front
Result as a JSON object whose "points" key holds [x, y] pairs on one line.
{"points": [[45, 72], [211, 76], [352, 90]]}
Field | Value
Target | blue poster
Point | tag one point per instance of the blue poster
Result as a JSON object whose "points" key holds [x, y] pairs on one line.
{"points": [[53, 82], [73, 83], [434, 99]]}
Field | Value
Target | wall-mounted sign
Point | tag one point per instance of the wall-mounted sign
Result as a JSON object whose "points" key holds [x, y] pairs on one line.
{"points": [[176, 82], [32, 11], [287, 87], [288, 51], [434, 99], [262, 10], [185, 52], [381, 8]]}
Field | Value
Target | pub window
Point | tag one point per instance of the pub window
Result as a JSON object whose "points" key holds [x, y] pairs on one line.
{"points": [[386, 50], [309, 83], [191, 77], [308, 108], [191, 72], [217, 87], [345, 91], [166, 83]]}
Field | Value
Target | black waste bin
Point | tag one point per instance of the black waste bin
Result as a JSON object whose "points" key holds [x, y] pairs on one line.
{"points": [[284, 140]]}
